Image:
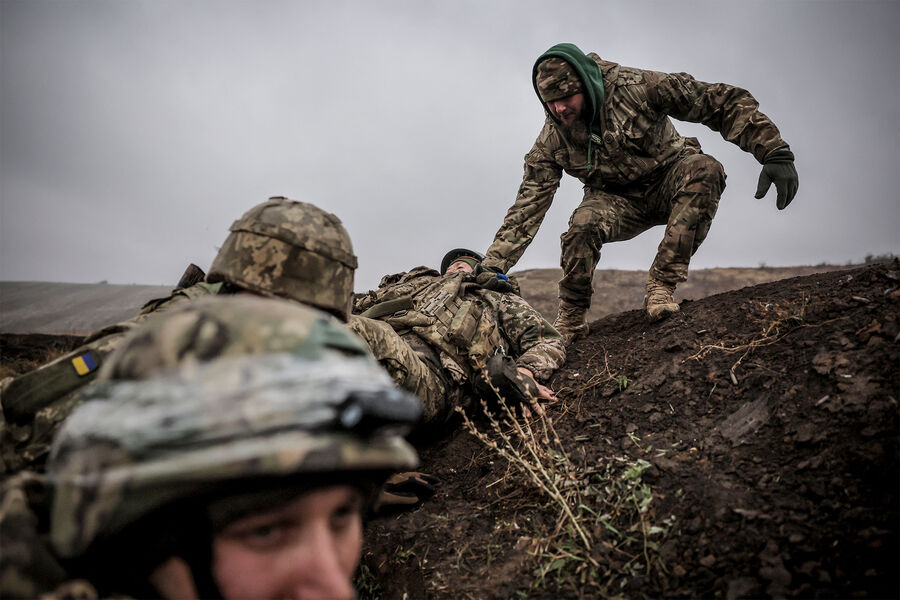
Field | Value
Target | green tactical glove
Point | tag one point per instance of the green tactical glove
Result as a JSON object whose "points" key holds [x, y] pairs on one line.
{"points": [[490, 278], [405, 490], [778, 168]]}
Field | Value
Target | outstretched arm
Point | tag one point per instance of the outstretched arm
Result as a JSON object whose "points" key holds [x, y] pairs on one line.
{"points": [[524, 217], [733, 112]]}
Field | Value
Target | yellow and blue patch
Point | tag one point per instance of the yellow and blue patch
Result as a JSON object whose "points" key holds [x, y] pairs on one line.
{"points": [[84, 364]]}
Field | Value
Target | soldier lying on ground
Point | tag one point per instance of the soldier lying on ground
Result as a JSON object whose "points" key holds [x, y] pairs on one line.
{"points": [[228, 449], [280, 248], [608, 125], [441, 336]]}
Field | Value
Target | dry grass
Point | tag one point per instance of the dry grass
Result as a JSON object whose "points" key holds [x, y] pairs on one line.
{"points": [[604, 531], [778, 320]]}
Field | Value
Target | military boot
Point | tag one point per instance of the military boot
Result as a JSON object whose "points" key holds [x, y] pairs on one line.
{"points": [[659, 300], [570, 322]]}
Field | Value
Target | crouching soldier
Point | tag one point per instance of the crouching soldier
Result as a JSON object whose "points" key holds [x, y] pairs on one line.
{"points": [[228, 449], [447, 339]]}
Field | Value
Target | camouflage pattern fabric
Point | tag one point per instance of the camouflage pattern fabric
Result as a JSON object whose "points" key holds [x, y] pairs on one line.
{"points": [[27, 566], [134, 446], [289, 249], [684, 200], [411, 365], [224, 326], [637, 148], [452, 328], [128, 421], [556, 79], [53, 389]]}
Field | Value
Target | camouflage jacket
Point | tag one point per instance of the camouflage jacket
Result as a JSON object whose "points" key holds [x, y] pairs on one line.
{"points": [[637, 144], [33, 405], [466, 324], [28, 566]]}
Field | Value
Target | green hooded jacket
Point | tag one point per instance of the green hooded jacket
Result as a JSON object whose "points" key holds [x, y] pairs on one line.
{"points": [[591, 76]]}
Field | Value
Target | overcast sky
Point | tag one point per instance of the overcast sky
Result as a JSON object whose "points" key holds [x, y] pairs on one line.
{"points": [[132, 133]]}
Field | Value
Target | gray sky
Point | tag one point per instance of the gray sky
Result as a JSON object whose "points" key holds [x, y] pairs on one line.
{"points": [[132, 133]]}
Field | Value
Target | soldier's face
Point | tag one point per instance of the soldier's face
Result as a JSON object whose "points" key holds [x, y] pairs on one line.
{"points": [[307, 548], [459, 266], [567, 109]]}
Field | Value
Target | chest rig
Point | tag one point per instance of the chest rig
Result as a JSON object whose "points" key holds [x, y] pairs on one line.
{"points": [[445, 313]]}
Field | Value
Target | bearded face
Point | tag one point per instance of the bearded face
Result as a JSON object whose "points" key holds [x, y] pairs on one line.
{"points": [[570, 112]]}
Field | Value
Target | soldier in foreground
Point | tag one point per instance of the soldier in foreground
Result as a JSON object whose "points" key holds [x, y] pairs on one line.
{"points": [[608, 125], [228, 449], [443, 337], [280, 248]]}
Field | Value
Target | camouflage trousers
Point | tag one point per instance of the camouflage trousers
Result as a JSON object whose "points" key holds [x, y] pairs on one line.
{"points": [[684, 199], [407, 367]]}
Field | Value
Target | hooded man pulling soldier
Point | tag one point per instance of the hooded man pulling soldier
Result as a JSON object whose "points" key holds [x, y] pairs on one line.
{"points": [[608, 125]]}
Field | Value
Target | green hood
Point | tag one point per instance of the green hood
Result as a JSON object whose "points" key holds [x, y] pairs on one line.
{"points": [[591, 76]]}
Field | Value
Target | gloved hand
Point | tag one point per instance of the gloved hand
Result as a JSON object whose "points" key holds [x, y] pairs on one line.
{"points": [[778, 168], [492, 279], [403, 490]]}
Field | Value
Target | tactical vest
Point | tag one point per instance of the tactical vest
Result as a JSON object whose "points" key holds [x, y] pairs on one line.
{"points": [[440, 311]]}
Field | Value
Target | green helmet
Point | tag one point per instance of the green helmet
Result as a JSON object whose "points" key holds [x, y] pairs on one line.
{"points": [[457, 254], [214, 395], [292, 250]]}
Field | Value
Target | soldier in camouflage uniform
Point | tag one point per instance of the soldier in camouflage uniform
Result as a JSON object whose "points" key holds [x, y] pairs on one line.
{"points": [[442, 335], [608, 125], [227, 449], [280, 248]]}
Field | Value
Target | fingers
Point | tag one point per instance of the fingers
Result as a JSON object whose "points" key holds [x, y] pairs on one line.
{"points": [[762, 187], [782, 200], [791, 192], [546, 393]]}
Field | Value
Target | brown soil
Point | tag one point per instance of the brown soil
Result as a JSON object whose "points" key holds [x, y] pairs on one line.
{"points": [[616, 291], [21, 353], [768, 421]]}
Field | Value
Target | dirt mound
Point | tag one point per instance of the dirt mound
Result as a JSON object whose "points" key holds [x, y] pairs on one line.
{"points": [[616, 290], [746, 447]]}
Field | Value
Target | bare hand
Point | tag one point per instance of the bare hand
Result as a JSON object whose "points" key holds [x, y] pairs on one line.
{"points": [[544, 393]]}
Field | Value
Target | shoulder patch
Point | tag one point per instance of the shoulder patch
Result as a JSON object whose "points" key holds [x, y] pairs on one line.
{"points": [[85, 363]]}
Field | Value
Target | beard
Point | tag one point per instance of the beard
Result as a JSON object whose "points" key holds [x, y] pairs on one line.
{"points": [[578, 131]]}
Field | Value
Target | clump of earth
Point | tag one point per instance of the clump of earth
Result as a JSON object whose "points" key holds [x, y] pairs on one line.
{"points": [[745, 447]]}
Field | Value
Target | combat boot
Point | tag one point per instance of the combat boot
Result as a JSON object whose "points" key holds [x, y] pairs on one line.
{"points": [[570, 322], [659, 300]]}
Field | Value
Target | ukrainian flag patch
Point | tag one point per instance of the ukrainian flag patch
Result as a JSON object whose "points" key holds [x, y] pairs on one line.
{"points": [[84, 364]]}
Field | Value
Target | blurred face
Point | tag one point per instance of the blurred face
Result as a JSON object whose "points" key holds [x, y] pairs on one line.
{"points": [[459, 266], [567, 109], [305, 549]]}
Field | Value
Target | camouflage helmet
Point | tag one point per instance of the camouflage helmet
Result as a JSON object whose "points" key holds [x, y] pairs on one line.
{"points": [[292, 250], [268, 411], [457, 254], [223, 326]]}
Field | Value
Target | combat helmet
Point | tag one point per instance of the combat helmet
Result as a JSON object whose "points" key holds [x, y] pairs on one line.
{"points": [[292, 250], [456, 254], [212, 396]]}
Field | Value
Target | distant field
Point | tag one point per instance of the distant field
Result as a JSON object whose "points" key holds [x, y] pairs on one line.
{"points": [[616, 291]]}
